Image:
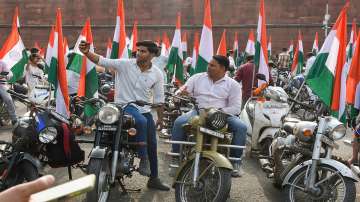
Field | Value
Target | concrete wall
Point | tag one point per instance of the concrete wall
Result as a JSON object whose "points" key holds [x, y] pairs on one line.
{"points": [[235, 15]]}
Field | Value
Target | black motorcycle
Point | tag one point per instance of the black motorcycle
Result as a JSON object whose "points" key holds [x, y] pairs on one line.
{"points": [[112, 157], [47, 136]]}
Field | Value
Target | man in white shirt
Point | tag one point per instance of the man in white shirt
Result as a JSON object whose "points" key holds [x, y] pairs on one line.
{"points": [[214, 89], [138, 80], [4, 95]]}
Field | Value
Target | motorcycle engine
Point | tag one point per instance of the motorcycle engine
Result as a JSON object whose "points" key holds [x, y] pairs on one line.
{"points": [[126, 163]]}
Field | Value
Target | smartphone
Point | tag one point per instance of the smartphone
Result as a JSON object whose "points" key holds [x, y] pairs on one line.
{"points": [[66, 190]]}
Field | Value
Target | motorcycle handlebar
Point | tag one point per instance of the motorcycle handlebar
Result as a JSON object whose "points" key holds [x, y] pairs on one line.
{"points": [[302, 104]]}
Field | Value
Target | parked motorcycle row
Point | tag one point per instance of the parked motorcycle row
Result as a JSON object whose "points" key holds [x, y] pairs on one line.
{"points": [[289, 131]]}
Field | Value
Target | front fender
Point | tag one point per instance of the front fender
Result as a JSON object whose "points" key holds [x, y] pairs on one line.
{"points": [[97, 153], [220, 161], [343, 169], [28, 157]]}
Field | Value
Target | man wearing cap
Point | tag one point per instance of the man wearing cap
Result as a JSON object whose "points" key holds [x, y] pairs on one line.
{"points": [[138, 80], [214, 89], [4, 95], [245, 75]]}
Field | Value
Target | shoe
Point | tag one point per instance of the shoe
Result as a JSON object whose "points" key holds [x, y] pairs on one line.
{"points": [[237, 172], [173, 166], [144, 168], [155, 183]]}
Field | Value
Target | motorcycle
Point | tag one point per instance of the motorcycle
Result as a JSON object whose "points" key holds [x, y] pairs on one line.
{"points": [[262, 115], [322, 177], [204, 171], [173, 108], [114, 151], [47, 136]]}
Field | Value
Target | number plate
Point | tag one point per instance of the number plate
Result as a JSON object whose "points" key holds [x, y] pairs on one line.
{"points": [[211, 132], [107, 128], [329, 142]]}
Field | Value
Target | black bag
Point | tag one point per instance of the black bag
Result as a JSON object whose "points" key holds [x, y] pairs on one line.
{"points": [[56, 153]]}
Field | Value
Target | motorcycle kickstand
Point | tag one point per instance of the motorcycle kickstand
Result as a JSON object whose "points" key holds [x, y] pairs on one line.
{"points": [[69, 172], [124, 189]]}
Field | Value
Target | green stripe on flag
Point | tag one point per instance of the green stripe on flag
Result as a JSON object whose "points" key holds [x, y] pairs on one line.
{"points": [[201, 65], [114, 50], [18, 68]]}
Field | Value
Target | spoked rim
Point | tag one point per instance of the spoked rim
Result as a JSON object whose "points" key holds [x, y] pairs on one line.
{"points": [[329, 180], [208, 186], [103, 189]]}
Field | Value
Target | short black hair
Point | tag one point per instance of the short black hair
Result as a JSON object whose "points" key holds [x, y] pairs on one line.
{"points": [[150, 45], [222, 60], [284, 49], [34, 50]]}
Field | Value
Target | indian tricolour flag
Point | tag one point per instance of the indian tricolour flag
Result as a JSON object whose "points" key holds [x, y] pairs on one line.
{"points": [[324, 77], [353, 80], [315, 48], [175, 62], [67, 51], [291, 50], [236, 49], [184, 45], [298, 62], [49, 50], [269, 48], [88, 85], [195, 53], [165, 45], [222, 45], [206, 49], [57, 72], [133, 39], [350, 46], [13, 52], [119, 48], [250, 45], [261, 54], [108, 48]]}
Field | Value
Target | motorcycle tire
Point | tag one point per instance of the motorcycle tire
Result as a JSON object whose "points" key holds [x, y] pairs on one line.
{"points": [[349, 184], [25, 171], [100, 168], [223, 191]]}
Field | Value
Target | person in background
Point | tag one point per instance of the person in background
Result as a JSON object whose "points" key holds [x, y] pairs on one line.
{"points": [[5, 96], [246, 75], [34, 75], [284, 60], [160, 62]]}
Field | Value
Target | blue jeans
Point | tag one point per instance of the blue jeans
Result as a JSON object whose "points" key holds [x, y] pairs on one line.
{"points": [[235, 126], [146, 132]]}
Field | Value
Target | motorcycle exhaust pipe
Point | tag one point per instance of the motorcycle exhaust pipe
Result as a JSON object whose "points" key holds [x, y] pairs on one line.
{"points": [[265, 165]]}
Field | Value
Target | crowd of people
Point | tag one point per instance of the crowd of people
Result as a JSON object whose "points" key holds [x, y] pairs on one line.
{"points": [[224, 86]]}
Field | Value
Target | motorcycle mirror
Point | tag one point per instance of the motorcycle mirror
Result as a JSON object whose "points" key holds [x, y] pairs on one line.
{"points": [[261, 77], [4, 73]]}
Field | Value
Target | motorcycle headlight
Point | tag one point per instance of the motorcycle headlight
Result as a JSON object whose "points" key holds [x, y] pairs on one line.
{"points": [[336, 129], [48, 135], [108, 114], [215, 119]]}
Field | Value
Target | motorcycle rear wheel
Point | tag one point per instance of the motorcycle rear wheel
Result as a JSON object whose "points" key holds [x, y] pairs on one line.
{"points": [[100, 168], [214, 185]]}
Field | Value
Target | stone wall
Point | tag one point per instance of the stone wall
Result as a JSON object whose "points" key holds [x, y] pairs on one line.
{"points": [[158, 16]]}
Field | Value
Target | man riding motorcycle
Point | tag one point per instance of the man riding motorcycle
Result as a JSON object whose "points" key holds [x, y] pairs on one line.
{"points": [[138, 80], [214, 89], [5, 96]]}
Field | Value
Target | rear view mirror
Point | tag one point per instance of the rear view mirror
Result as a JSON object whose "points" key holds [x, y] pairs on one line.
{"points": [[4, 73]]}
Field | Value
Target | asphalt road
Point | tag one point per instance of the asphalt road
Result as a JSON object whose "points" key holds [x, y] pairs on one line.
{"points": [[252, 186]]}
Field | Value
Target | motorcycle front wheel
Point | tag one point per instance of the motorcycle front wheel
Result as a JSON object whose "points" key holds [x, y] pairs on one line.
{"points": [[333, 186], [214, 183], [100, 168]]}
